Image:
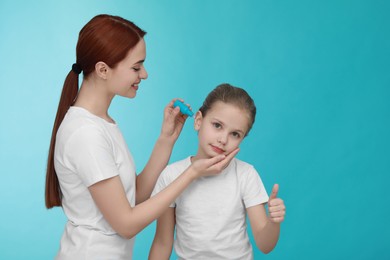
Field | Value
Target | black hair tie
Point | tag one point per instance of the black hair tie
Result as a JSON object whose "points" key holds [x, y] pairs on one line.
{"points": [[76, 68]]}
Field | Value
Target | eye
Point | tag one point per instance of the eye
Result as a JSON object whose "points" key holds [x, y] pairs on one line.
{"points": [[136, 69], [217, 125], [236, 135]]}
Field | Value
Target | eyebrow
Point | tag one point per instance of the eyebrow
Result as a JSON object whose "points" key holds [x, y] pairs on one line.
{"points": [[139, 62]]}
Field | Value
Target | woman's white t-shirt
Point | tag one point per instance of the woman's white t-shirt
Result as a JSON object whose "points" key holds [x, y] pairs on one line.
{"points": [[88, 150]]}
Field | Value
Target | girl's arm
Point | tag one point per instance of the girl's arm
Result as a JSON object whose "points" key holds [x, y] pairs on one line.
{"points": [[265, 229], [128, 221], [172, 125], [163, 239]]}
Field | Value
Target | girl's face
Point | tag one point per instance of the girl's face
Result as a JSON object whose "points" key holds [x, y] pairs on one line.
{"points": [[126, 76], [221, 130]]}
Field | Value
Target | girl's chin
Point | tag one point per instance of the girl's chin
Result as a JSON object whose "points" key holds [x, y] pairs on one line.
{"points": [[199, 157], [205, 156]]}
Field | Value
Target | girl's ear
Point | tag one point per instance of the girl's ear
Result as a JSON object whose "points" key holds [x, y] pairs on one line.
{"points": [[101, 69], [198, 120]]}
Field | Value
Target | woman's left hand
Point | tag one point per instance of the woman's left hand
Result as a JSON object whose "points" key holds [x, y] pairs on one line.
{"points": [[276, 207], [173, 121]]}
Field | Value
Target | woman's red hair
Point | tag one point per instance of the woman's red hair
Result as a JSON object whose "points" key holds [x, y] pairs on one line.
{"points": [[104, 38]]}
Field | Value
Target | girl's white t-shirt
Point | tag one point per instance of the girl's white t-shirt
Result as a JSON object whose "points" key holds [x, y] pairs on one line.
{"points": [[210, 214], [88, 150]]}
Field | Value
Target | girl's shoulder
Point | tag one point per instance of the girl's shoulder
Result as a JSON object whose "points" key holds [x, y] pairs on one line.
{"points": [[173, 170], [241, 165], [179, 166]]}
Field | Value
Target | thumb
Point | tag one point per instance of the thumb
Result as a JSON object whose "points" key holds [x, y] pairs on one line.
{"points": [[175, 111], [274, 192]]}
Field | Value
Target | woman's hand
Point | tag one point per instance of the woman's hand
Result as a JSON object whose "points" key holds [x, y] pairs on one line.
{"points": [[214, 165], [173, 121], [276, 207]]}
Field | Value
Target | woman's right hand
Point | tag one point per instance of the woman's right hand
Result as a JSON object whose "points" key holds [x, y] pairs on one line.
{"points": [[173, 121], [212, 166]]}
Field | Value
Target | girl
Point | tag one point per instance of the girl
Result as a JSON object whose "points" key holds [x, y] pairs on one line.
{"points": [[210, 214], [90, 171]]}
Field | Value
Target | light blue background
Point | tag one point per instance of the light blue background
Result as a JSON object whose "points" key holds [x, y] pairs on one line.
{"points": [[319, 72]]}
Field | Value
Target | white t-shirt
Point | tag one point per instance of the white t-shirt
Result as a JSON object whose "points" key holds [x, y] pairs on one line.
{"points": [[211, 212], [88, 150]]}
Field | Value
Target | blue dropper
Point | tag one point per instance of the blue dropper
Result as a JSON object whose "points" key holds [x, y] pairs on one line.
{"points": [[183, 108]]}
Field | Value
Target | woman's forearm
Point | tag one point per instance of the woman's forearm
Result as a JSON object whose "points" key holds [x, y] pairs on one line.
{"points": [[144, 213], [158, 160], [128, 221]]}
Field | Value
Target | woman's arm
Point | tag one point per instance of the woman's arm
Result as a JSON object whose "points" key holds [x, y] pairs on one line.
{"points": [[128, 221], [265, 229], [163, 239], [172, 125]]}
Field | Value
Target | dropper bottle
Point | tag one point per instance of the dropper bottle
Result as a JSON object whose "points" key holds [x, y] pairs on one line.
{"points": [[183, 108]]}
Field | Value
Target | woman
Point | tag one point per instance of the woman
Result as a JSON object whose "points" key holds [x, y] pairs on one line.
{"points": [[91, 173]]}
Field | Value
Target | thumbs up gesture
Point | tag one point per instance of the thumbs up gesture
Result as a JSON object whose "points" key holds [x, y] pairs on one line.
{"points": [[276, 208]]}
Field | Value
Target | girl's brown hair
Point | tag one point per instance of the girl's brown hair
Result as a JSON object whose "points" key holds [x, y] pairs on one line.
{"points": [[231, 95], [104, 38]]}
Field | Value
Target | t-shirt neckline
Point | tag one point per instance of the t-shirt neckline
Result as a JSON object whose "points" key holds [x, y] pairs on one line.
{"points": [[86, 111]]}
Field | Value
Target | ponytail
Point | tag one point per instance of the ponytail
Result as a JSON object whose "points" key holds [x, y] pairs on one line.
{"points": [[53, 194]]}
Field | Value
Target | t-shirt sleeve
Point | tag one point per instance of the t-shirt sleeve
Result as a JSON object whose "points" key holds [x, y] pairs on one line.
{"points": [[90, 155], [162, 182], [252, 189]]}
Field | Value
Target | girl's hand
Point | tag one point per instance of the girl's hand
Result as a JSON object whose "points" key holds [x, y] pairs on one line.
{"points": [[214, 165], [276, 208], [173, 121]]}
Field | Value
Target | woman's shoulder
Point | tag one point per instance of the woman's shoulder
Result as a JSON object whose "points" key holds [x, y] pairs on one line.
{"points": [[80, 125], [78, 118]]}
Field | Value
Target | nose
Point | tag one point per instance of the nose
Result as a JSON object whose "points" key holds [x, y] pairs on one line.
{"points": [[143, 73], [222, 138]]}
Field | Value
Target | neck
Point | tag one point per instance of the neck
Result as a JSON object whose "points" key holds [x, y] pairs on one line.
{"points": [[94, 98], [198, 156]]}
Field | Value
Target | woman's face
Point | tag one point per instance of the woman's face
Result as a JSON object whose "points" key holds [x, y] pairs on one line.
{"points": [[221, 130], [126, 76]]}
